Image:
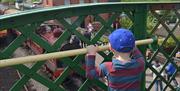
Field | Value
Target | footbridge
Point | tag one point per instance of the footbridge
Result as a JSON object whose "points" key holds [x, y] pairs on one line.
{"points": [[144, 19]]}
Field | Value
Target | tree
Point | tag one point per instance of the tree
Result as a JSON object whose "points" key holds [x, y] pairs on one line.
{"points": [[169, 46], [126, 22], [7, 1], [144, 0]]}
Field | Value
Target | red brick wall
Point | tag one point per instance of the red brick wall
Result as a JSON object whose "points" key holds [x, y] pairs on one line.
{"points": [[58, 2], [47, 3], [50, 3], [1, 12], [87, 1], [102, 0], [74, 1]]}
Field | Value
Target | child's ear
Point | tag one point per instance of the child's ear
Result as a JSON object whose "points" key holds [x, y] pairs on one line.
{"points": [[110, 48]]}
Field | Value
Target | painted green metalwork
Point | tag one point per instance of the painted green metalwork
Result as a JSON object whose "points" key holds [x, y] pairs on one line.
{"points": [[27, 22], [140, 33]]}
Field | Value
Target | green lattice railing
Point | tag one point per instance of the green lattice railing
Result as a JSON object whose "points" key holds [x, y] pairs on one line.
{"points": [[27, 22]]}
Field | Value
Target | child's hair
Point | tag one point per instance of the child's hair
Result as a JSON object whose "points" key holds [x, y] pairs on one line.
{"points": [[156, 60], [122, 40], [74, 40]]}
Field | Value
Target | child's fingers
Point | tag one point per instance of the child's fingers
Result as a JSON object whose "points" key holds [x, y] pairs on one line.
{"points": [[95, 47], [90, 46], [92, 49]]}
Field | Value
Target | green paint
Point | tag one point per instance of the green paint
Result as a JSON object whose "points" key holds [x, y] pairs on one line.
{"points": [[26, 23], [139, 30]]}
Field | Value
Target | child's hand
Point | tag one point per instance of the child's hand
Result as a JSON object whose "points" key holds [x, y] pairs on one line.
{"points": [[91, 49]]}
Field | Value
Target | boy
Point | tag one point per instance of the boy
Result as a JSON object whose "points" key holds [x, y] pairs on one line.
{"points": [[158, 67], [124, 72], [170, 70]]}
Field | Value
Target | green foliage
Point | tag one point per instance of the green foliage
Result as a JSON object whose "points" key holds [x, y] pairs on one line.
{"points": [[126, 22], [145, 0], [104, 39], [151, 22], [170, 42], [35, 0], [7, 1], [137, 0]]}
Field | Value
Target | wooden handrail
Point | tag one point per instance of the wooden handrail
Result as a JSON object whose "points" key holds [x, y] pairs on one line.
{"points": [[61, 54]]}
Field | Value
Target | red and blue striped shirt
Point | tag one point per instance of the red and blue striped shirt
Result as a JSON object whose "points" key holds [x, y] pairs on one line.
{"points": [[120, 76]]}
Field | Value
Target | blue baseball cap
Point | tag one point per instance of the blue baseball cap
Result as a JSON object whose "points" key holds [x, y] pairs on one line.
{"points": [[122, 40]]}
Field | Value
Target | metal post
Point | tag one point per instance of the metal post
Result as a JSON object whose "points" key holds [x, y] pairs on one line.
{"points": [[139, 30]]}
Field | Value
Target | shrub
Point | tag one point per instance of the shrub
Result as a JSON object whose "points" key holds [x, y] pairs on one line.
{"points": [[7, 1], [125, 22], [169, 45]]}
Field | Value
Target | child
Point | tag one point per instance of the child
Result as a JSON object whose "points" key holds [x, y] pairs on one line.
{"points": [[158, 66], [72, 44], [123, 72], [170, 70], [116, 24]]}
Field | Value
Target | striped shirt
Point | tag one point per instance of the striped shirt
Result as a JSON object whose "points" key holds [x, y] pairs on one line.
{"points": [[120, 76]]}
